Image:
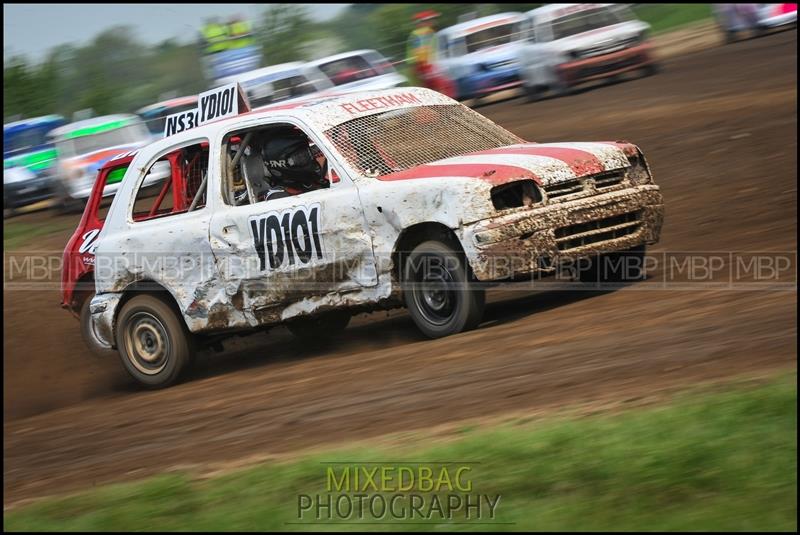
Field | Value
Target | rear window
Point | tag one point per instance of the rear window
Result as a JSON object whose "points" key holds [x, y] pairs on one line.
{"points": [[586, 21], [397, 140], [350, 69], [497, 35], [261, 93]]}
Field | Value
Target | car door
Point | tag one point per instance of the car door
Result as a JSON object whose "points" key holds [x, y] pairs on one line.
{"points": [[284, 250]]}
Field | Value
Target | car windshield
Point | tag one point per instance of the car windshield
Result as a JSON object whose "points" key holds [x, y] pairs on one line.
{"points": [[127, 135], [155, 120], [349, 69], [586, 20], [261, 93], [26, 139], [397, 140], [496, 35]]}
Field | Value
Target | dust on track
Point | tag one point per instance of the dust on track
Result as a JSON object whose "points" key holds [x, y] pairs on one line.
{"points": [[719, 130]]}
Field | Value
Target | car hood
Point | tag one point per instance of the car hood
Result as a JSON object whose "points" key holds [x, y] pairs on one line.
{"points": [[601, 36], [545, 163], [494, 54], [95, 160]]}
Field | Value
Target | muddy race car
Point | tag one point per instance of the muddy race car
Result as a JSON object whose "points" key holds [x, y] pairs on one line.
{"points": [[306, 213]]}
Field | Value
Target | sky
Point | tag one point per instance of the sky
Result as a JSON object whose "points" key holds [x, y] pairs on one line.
{"points": [[33, 29]]}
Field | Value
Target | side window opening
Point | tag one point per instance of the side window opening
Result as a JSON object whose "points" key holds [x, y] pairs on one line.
{"points": [[272, 162], [176, 183], [113, 179]]}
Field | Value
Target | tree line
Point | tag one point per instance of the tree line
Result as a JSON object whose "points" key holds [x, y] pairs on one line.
{"points": [[116, 73]]}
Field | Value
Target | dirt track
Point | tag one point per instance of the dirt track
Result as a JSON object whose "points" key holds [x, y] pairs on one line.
{"points": [[719, 129]]}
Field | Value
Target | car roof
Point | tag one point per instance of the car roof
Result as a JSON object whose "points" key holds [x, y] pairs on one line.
{"points": [[264, 71], [170, 103], [111, 121], [342, 55], [320, 112], [24, 124], [467, 27], [553, 11]]}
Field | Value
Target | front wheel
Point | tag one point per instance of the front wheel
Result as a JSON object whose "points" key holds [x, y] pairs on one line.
{"points": [[153, 342], [439, 292]]}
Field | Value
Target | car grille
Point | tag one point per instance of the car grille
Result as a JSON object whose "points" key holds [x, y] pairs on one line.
{"points": [[602, 180], [597, 231], [608, 179], [607, 48], [502, 64]]}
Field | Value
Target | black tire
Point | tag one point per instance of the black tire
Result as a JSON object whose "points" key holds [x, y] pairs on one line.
{"points": [[439, 292], [532, 94], [615, 268], [320, 327], [90, 338], [147, 322], [651, 69]]}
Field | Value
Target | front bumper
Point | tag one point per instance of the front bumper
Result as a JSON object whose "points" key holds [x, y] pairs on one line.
{"points": [[536, 239], [776, 21], [19, 194], [103, 308], [487, 82], [606, 65]]}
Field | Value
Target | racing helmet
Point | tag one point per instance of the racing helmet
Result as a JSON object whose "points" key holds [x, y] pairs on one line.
{"points": [[289, 158]]}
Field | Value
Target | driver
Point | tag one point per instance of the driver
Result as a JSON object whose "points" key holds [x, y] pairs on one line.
{"points": [[293, 166]]}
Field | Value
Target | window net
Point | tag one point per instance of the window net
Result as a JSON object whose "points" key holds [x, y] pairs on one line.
{"points": [[397, 140]]}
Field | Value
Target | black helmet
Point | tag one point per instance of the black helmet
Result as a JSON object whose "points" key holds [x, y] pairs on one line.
{"points": [[289, 158]]}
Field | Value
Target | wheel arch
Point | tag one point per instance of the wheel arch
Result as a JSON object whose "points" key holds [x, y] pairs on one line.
{"points": [[415, 234]]}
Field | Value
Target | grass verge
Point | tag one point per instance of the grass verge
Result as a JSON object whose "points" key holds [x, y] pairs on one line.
{"points": [[665, 17], [711, 460], [17, 234]]}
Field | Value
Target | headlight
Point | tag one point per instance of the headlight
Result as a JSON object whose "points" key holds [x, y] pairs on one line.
{"points": [[15, 175], [639, 171]]}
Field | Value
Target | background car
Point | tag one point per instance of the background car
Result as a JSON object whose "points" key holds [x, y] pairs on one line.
{"points": [[481, 55], [27, 160], [84, 146], [364, 70], [279, 83], [155, 115], [736, 18], [570, 44]]}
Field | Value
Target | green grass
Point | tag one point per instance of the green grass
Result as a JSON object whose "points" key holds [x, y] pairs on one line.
{"points": [[17, 234], [663, 17], [721, 460]]}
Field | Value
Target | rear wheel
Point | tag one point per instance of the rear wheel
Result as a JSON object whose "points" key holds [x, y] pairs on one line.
{"points": [[153, 342], [439, 292]]}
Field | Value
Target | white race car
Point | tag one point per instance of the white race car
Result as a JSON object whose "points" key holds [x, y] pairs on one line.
{"points": [[360, 70], [306, 213], [758, 18], [570, 44]]}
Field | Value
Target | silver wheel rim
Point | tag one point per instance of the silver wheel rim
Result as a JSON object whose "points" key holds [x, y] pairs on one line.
{"points": [[147, 345]]}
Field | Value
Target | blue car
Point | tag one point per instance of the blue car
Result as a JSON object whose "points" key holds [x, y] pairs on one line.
{"points": [[480, 55], [28, 157]]}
